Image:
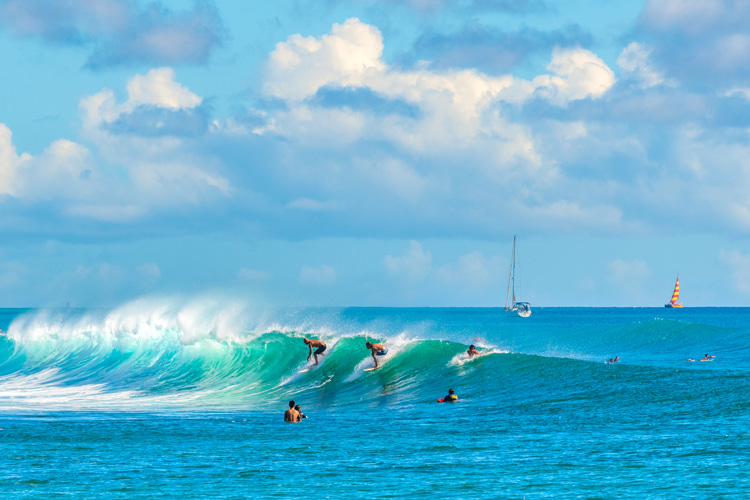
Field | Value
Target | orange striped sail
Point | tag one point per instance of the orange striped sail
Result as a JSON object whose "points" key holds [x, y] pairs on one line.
{"points": [[675, 295]]}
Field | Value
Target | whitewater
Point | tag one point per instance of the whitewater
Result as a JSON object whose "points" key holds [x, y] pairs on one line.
{"points": [[170, 399]]}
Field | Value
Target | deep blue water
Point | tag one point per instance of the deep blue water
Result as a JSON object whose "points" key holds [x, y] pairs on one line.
{"points": [[164, 400]]}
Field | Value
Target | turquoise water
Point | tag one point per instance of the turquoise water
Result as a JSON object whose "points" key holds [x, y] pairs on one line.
{"points": [[160, 400]]}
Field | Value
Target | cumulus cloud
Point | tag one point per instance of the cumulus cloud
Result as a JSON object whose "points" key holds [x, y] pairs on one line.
{"points": [[64, 170], [694, 16], [157, 170], [490, 49], [634, 61], [701, 40], [414, 265], [438, 112], [119, 31], [348, 145], [350, 56]]}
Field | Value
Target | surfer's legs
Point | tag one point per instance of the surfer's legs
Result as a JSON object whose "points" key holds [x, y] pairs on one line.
{"points": [[319, 350]]}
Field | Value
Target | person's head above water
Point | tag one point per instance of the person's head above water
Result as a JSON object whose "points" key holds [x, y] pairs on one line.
{"points": [[450, 391], [368, 345], [472, 346], [291, 404], [296, 407]]}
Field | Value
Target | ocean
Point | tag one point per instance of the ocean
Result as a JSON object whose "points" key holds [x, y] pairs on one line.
{"points": [[157, 399]]}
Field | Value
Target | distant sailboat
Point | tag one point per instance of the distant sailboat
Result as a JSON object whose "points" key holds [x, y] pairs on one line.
{"points": [[673, 304], [523, 308]]}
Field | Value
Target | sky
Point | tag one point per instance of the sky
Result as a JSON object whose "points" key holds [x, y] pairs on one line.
{"points": [[375, 153]]}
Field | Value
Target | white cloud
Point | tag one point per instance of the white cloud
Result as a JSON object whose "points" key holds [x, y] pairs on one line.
{"points": [[120, 31], [323, 275], [692, 16], [634, 61], [64, 170], [158, 171], [351, 57], [414, 265], [457, 106], [9, 160], [739, 265], [578, 74], [156, 88]]}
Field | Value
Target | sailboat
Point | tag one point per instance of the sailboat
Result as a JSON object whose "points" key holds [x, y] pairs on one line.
{"points": [[673, 304], [523, 308]]}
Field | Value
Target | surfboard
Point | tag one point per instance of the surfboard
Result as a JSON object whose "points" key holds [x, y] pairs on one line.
{"points": [[441, 400], [304, 370], [370, 369]]}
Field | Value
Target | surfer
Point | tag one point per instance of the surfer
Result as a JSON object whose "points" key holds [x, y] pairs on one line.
{"points": [[473, 351], [321, 347], [291, 415], [377, 350], [707, 358], [451, 397], [300, 415]]}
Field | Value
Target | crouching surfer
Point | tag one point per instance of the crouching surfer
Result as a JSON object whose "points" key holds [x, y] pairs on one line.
{"points": [[321, 347], [377, 350]]}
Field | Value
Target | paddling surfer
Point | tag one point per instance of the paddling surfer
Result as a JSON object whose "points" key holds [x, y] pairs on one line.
{"points": [[451, 397], [321, 347], [473, 351], [291, 415], [377, 350], [707, 358]]}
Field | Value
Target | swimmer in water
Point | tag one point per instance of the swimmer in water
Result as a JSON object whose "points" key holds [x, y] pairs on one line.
{"points": [[707, 358], [451, 397], [321, 347], [291, 415], [377, 350], [473, 351], [300, 415]]}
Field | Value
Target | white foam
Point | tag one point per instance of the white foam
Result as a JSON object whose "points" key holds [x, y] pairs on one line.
{"points": [[462, 358]]}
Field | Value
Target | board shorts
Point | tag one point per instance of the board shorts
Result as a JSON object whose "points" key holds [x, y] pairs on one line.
{"points": [[320, 350], [382, 353]]}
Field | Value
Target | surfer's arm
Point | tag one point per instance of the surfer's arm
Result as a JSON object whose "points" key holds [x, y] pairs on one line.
{"points": [[309, 353]]}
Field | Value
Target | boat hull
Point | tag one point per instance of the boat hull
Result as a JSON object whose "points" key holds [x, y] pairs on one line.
{"points": [[676, 305]]}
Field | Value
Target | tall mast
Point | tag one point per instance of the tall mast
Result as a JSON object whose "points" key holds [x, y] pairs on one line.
{"points": [[511, 273]]}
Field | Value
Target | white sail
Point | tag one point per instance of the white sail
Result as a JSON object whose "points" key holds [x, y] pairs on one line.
{"points": [[523, 308]]}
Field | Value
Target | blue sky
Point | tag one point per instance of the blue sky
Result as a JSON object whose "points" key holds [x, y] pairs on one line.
{"points": [[374, 153]]}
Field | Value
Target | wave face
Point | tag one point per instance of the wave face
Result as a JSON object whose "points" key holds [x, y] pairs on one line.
{"points": [[162, 355]]}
